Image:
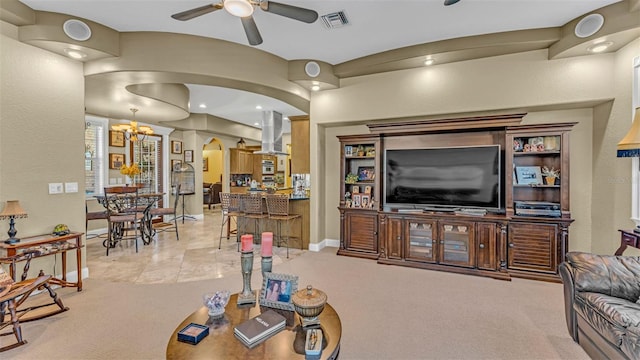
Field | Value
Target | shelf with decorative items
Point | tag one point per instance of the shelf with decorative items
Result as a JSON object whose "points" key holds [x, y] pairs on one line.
{"points": [[359, 195]]}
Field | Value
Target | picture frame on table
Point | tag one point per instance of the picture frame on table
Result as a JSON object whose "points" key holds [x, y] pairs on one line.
{"points": [[277, 290], [366, 173], [116, 161], [188, 156], [528, 175], [176, 147], [116, 138]]}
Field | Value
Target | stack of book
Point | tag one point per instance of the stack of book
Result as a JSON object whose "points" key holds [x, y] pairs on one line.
{"points": [[258, 329]]}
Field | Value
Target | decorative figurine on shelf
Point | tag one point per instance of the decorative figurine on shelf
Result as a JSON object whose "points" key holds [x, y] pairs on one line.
{"points": [[216, 303], [550, 175], [360, 151]]}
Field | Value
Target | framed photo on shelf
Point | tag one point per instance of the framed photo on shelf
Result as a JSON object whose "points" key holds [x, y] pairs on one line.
{"points": [[528, 175], [174, 163], [116, 161], [205, 164], [176, 147], [355, 189], [277, 290], [367, 189], [348, 151], [356, 200], [366, 173], [116, 138], [188, 156], [365, 201]]}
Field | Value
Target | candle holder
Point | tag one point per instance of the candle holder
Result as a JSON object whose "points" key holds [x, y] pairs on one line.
{"points": [[266, 264], [247, 296]]}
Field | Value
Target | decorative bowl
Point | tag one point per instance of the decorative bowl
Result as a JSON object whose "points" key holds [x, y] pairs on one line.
{"points": [[216, 302], [309, 303]]}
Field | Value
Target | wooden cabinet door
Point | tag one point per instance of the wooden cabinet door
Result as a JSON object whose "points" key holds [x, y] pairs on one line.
{"points": [[421, 241], [486, 240], [394, 238], [533, 246], [361, 229], [456, 243]]}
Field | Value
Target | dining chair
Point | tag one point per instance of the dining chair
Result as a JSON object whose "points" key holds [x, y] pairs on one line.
{"points": [[231, 210], [93, 215], [164, 211], [278, 210], [252, 210], [126, 215]]}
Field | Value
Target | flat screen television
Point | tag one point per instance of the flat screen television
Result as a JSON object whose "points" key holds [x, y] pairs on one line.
{"points": [[443, 177]]}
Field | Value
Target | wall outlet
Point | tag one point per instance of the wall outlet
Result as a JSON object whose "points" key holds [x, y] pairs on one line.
{"points": [[71, 187], [55, 188]]}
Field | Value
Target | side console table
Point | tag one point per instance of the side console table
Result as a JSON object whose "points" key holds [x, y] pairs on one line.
{"points": [[628, 238], [48, 245]]}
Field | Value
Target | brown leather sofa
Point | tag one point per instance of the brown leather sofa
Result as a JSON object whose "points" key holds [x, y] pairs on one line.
{"points": [[602, 304]]}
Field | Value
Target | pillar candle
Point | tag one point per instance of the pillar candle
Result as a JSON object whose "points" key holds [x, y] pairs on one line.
{"points": [[247, 242], [267, 244]]}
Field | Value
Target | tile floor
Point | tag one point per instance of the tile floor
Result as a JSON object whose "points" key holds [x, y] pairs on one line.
{"points": [[194, 257]]}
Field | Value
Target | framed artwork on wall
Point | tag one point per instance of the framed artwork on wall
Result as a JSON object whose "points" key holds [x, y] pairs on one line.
{"points": [[174, 163], [176, 147], [205, 164], [116, 138], [116, 161], [188, 156]]}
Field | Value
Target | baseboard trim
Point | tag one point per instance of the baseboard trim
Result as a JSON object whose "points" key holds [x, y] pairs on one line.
{"points": [[323, 244]]}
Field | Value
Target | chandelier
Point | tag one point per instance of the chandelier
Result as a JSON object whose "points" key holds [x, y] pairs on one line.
{"points": [[132, 130]]}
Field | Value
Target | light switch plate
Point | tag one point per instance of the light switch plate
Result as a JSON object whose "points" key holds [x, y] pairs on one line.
{"points": [[71, 187], [55, 188]]}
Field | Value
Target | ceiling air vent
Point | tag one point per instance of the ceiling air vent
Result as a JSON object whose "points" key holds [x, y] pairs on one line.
{"points": [[335, 20]]}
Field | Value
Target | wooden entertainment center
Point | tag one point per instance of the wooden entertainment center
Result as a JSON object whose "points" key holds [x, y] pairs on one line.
{"points": [[526, 236]]}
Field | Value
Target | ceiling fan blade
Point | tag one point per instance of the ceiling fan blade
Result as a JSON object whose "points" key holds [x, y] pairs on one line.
{"points": [[290, 11], [250, 28], [190, 14], [450, 2]]}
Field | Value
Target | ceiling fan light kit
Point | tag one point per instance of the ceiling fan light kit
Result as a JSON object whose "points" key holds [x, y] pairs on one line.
{"points": [[244, 10]]}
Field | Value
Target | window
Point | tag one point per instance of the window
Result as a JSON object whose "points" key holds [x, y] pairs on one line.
{"points": [[635, 186], [95, 130]]}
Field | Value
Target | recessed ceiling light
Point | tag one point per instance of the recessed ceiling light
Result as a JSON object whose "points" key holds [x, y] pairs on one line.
{"points": [[429, 61], [315, 83], [76, 54], [285, 118], [256, 123], [203, 106], [315, 88], [599, 47], [259, 107]]}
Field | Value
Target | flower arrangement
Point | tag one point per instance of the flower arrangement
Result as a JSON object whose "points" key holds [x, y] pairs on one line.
{"points": [[351, 178], [550, 172], [131, 171]]}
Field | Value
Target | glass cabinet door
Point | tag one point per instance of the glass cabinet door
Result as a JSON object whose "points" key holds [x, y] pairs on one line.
{"points": [[421, 240], [455, 243]]}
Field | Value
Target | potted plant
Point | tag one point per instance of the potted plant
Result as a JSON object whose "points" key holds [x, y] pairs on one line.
{"points": [[550, 175], [351, 178]]}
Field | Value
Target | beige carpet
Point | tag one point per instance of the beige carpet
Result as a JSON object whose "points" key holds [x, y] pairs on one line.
{"points": [[387, 312]]}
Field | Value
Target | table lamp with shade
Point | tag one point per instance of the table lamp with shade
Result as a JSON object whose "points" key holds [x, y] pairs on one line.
{"points": [[11, 211], [629, 146]]}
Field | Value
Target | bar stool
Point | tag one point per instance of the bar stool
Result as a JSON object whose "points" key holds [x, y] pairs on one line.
{"points": [[230, 204], [252, 210], [278, 209]]}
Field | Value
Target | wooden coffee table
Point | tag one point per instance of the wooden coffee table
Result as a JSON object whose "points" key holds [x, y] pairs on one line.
{"points": [[222, 344]]}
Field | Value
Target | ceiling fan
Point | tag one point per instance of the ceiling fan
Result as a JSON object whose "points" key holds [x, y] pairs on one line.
{"points": [[244, 10]]}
